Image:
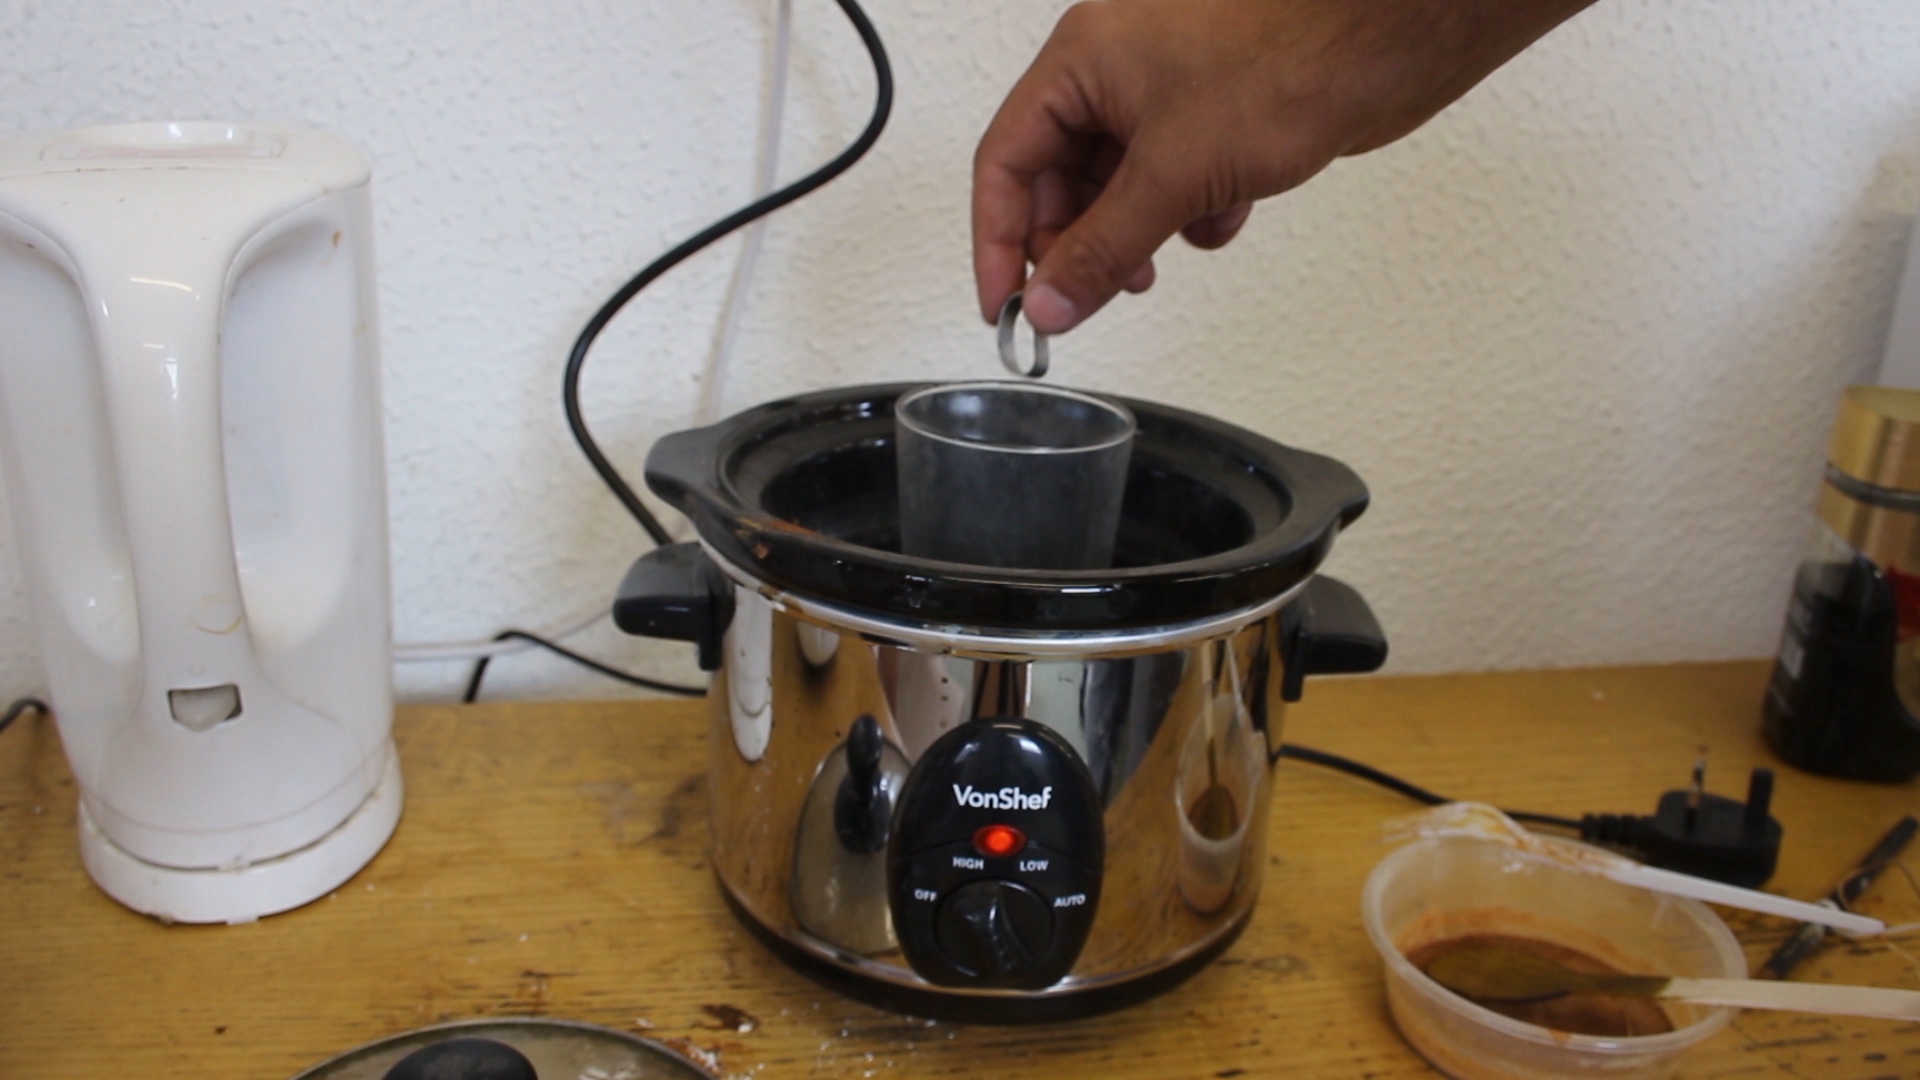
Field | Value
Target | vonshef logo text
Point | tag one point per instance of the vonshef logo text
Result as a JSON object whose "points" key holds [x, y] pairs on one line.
{"points": [[1007, 798]]}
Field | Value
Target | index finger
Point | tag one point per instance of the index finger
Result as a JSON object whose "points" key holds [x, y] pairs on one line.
{"points": [[1037, 128]]}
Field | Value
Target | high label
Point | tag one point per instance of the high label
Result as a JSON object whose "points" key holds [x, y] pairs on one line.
{"points": [[1007, 798]]}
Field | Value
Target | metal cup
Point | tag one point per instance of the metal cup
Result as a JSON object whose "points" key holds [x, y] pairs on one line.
{"points": [[1012, 475]]}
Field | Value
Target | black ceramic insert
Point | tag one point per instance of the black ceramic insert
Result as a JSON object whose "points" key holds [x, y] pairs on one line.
{"points": [[802, 494]]}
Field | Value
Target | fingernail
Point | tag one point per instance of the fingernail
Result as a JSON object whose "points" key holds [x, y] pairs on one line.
{"points": [[1048, 310]]}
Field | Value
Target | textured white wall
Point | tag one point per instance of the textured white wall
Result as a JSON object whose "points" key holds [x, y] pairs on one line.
{"points": [[1582, 335]]}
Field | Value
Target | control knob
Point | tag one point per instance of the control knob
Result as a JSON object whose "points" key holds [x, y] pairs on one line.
{"points": [[993, 930]]}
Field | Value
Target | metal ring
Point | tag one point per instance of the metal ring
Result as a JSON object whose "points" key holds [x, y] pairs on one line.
{"points": [[1009, 314]]}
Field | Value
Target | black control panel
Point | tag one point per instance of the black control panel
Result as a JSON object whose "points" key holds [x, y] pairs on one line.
{"points": [[993, 868]]}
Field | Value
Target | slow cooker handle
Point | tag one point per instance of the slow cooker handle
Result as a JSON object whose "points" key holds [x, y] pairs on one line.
{"points": [[681, 466], [676, 593], [1329, 630]]}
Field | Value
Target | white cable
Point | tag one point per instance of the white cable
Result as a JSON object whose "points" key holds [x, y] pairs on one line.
{"points": [[766, 171], [773, 116]]}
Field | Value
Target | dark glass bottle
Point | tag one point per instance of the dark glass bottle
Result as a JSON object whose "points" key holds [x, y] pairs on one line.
{"points": [[1844, 698], [1834, 705]]}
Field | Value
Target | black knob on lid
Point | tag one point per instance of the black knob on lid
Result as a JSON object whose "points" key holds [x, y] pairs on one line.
{"points": [[464, 1059]]}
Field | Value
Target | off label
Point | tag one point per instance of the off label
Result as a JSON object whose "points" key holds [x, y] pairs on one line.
{"points": [[925, 894]]}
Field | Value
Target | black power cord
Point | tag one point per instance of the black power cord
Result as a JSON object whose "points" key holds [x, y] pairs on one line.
{"points": [[22, 705], [1691, 830], [570, 386], [480, 668], [1411, 791]]}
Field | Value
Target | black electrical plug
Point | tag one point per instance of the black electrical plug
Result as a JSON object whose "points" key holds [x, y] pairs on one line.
{"points": [[1695, 832]]}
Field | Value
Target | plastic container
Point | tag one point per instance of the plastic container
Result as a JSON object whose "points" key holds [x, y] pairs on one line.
{"points": [[1436, 889]]}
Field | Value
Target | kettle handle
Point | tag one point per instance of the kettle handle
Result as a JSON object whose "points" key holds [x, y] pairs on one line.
{"points": [[157, 308]]}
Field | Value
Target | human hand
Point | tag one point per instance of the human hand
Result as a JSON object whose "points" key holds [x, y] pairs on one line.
{"points": [[1140, 119]]}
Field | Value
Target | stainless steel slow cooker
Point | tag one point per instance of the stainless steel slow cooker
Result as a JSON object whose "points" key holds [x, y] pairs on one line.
{"points": [[989, 794]]}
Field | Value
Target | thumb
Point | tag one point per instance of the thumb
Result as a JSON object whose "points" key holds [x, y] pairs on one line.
{"points": [[1135, 213]]}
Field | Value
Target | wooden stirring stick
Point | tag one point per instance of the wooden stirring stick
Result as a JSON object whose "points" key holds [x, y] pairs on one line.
{"points": [[1497, 973]]}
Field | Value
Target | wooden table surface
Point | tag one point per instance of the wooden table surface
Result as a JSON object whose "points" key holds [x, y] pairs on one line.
{"points": [[552, 862]]}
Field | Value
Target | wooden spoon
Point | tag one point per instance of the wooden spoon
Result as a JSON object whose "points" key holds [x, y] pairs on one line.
{"points": [[1498, 973]]}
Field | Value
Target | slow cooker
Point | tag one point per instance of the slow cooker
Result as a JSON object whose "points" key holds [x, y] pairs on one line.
{"points": [[995, 794]]}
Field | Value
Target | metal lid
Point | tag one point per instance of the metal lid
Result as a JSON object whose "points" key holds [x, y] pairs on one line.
{"points": [[557, 1050], [1876, 439], [802, 494]]}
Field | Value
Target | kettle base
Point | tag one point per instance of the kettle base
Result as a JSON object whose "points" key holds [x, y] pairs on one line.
{"points": [[243, 895], [1037, 1007]]}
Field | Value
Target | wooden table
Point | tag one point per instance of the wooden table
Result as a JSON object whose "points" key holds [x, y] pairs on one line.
{"points": [[552, 862]]}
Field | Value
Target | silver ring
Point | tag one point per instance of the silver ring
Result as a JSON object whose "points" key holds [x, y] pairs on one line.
{"points": [[1009, 314]]}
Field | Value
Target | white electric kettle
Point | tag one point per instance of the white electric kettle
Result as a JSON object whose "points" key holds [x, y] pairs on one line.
{"points": [[190, 411]]}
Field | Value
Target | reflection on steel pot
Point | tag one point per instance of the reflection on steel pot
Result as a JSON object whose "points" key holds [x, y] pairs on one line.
{"points": [[993, 793]]}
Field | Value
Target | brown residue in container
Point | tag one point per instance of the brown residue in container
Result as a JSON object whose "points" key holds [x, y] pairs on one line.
{"points": [[1578, 1014]]}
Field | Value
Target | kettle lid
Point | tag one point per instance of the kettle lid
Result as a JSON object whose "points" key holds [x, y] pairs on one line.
{"points": [[325, 159]]}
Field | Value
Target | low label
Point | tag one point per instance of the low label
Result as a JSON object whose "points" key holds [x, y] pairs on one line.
{"points": [[1028, 865]]}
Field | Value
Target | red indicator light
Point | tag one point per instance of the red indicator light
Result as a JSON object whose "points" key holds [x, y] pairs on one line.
{"points": [[998, 841]]}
